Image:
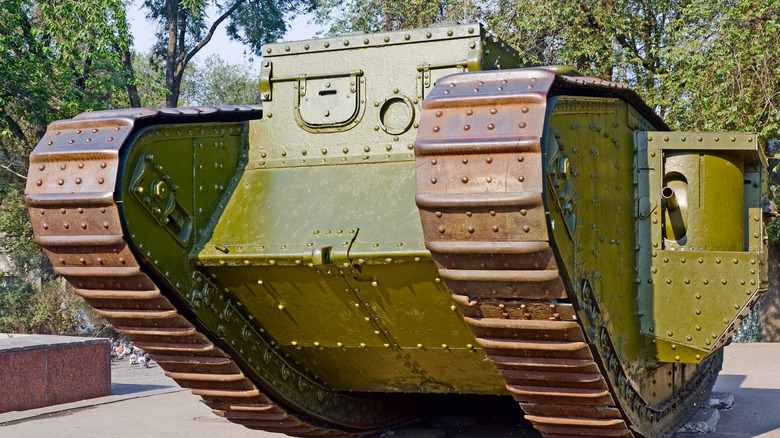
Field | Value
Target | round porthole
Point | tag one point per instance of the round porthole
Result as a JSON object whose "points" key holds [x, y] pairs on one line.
{"points": [[396, 115]]}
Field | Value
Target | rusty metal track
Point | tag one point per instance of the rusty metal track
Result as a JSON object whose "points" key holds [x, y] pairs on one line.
{"points": [[70, 196], [480, 191]]}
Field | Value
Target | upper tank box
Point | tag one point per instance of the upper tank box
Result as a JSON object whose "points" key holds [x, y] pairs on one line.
{"points": [[357, 40]]}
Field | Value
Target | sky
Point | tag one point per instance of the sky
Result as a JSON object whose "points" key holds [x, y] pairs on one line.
{"points": [[301, 28]]}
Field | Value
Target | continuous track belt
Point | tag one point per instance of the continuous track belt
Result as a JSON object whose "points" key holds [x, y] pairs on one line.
{"points": [[480, 191], [70, 196]]}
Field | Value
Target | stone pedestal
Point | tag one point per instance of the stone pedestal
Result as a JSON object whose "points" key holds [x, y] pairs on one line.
{"points": [[43, 370]]}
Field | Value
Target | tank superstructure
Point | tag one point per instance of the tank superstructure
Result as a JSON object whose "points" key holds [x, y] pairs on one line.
{"points": [[573, 253]]}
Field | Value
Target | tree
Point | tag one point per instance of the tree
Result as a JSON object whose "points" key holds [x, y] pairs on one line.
{"points": [[213, 82], [182, 30], [216, 82], [387, 15], [57, 59]]}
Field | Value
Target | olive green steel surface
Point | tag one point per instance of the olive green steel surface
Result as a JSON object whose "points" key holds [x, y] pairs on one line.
{"points": [[590, 180], [701, 257], [200, 165], [327, 198], [356, 98]]}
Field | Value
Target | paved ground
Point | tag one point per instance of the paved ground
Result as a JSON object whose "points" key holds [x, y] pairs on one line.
{"points": [[145, 403]]}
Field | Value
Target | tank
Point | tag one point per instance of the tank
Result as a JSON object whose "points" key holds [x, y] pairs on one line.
{"points": [[410, 216]]}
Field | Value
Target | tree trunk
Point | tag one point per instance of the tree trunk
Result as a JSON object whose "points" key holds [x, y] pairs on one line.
{"points": [[132, 89], [172, 98], [769, 315]]}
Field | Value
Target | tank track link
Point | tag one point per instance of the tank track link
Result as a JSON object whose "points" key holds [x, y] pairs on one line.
{"points": [[77, 222], [480, 192]]}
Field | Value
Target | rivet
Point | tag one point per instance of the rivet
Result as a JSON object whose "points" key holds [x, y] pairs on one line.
{"points": [[78, 180], [441, 229], [523, 211], [84, 226], [524, 109], [435, 129], [433, 180], [471, 230], [438, 113], [465, 161], [521, 125], [103, 165], [489, 179], [521, 178], [438, 214], [526, 228], [520, 158], [488, 160], [61, 182], [101, 180], [492, 212], [466, 127], [698, 296], [706, 282], [468, 213], [39, 182], [495, 228], [490, 126], [465, 179]]}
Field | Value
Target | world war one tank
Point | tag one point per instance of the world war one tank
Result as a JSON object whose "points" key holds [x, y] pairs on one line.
{"points": [[409, 216]]}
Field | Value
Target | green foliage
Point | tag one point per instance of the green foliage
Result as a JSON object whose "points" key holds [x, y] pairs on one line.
{"points": [[57, 59], [51, 308], [773, 231], [374, 16], [217, 82], [150, 77], [213, 82], [184, 28]]}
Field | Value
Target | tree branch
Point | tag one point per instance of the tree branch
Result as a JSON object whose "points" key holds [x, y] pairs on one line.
{"points": [[8, 168], [208, 36]]}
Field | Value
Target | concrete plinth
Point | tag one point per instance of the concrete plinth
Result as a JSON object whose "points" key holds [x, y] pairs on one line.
{"points": [[44, 370]]}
